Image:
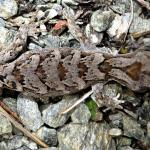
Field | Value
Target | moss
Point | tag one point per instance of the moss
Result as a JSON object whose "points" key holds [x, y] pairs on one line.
{"points": [[123, 50], [92, 107]]}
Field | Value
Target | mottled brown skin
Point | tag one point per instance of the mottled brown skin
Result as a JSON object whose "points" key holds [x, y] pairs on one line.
{"points": [[55, 72]]}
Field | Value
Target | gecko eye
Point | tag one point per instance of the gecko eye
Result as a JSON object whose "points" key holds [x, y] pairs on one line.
{"points": [[105, 67]]}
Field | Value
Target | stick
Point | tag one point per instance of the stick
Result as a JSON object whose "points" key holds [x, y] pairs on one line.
{"points": [[21, 128], [85, 96]]}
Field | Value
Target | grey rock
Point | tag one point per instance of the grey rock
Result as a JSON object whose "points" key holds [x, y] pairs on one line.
{"points": [[48, 135], [33, 46], [132, 129], [116, 120], [70, 2], [23, 148], [15, 142], [58, 8], [47, 0], [95, 37], [125, 148], [129, 96], [146, 42], [51, 13], [101, 20], [123, 6], [119, 26], [29, 112], [8, 8], [115, 132], [52, 115], [6, 38], [11, 103], [84, 137], [81, 114], [43, 29], [49, 148], [52, 41], [139, 26], [2, 22], [148, 129], [32, 146], [124, 141], [21, 143], [5, 125], [144, 111], [3, 146], [40, 14]]}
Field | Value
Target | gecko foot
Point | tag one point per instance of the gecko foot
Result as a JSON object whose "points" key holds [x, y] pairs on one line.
{"points": [[103, 100]]}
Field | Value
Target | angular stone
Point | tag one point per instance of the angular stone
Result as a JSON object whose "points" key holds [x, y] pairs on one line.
{"points": [[52, 115], [29, 112], [48, 135], [81, 114], [5, 125], [92, 136], [8, 8]]}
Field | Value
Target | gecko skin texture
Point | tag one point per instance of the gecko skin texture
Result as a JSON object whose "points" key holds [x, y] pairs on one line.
{"points": [[55, 72]]}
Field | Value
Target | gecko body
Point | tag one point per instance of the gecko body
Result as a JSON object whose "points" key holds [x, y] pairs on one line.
{"points": [[55, 72]]}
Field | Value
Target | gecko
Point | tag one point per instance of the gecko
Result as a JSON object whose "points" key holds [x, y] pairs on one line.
{"points": [[61, 71]]}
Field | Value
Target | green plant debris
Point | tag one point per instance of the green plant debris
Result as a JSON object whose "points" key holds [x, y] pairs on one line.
{"points": [[92, 107]]}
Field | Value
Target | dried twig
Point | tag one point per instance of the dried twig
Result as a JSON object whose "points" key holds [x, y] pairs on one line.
{"points": [[21, 128], [85, 96], [6, 108]]}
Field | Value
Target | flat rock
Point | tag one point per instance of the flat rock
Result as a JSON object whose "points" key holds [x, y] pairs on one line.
{"points": [[8, 8], [132, 129], [29, 112], [5, 125], [6, 38], [100, 20], [48, 135], [52, 115], [21, 143], [81, 114], [139, 26], [84, 137]]}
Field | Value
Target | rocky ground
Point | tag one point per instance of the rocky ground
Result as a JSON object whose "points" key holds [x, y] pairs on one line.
{"points": [[115, 26]]}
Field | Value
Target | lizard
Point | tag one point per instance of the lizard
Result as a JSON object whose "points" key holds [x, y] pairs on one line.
{"points": [[55, 72]]}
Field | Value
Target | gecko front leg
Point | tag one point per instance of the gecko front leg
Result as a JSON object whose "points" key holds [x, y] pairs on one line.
{"points": [[103, 99]]}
